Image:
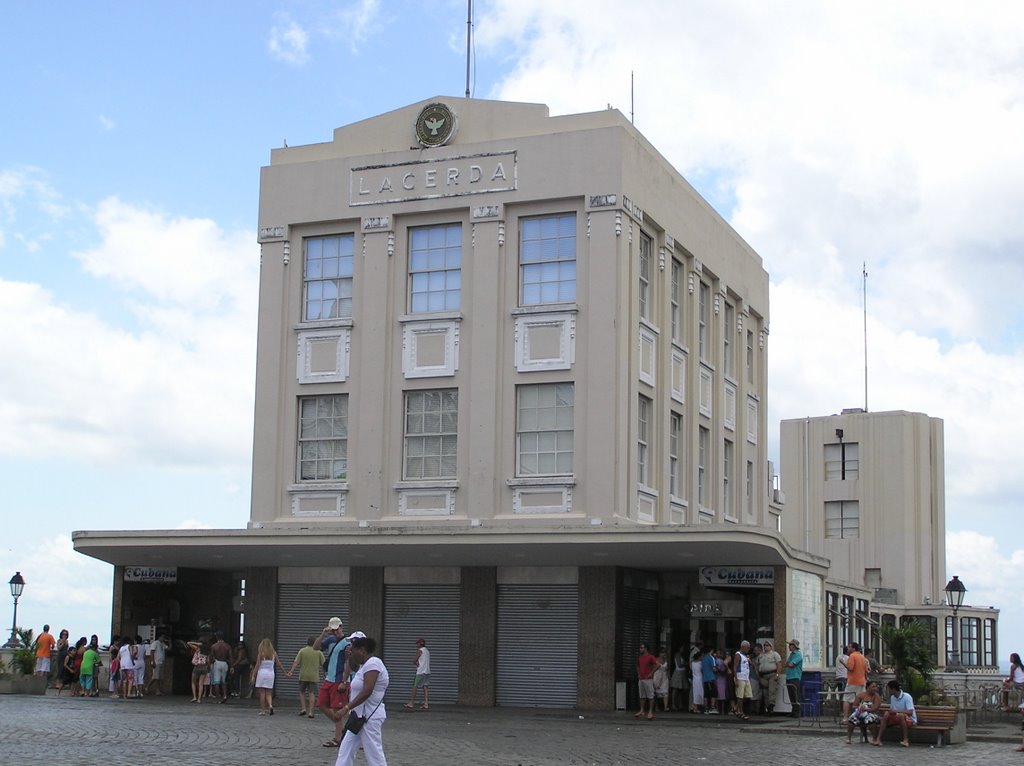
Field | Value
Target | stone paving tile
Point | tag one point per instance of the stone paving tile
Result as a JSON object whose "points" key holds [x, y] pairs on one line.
{"points": [[172, 732]]}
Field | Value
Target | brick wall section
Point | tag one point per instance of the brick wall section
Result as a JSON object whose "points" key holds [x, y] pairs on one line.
{"points": [[366, 608], [479, 636], [595, 681]]}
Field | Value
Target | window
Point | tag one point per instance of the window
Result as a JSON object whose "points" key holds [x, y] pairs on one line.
{"points": [[727, 477], [431, 428], [861, 626], [675, 298], [703, 308], [702, 462], [841, 461], [328, 277], [547, 259], [544, 429], [750, 487], [842, 519], [750, 357], [435, 268], [988, 645], [730, 322], [323, 438], [848, 620], [674, 431], [645, 276], [950, 643], [643, 420], [969, 640], [831, 627]]}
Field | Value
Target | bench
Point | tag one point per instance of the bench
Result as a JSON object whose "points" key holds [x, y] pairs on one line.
{"points": [[940, 721]]}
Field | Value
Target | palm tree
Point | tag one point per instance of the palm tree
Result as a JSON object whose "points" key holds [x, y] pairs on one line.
{"points": [[911, 655]]}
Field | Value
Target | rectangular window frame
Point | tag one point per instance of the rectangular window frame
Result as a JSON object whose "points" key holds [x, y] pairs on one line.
{"points": [[435, 268], [430, 434], [547, 259], [644, 413], [547, 451], [322, 439], [327, 286]]}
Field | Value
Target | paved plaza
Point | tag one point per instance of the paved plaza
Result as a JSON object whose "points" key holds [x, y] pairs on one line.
{"points": [[172, 731]]}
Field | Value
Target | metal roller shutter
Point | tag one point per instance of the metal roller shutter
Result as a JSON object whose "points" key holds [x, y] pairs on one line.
{"points": [[430, 612], [303, 611], [537, 645]]}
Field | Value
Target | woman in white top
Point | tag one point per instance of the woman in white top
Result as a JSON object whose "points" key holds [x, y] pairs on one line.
{"points": [[366, 699], [1014, 681], [266, 662]]}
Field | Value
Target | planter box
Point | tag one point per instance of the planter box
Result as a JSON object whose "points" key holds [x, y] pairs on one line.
{"points": [[18, 684]]}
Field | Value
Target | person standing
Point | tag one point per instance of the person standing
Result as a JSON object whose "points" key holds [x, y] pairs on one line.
{"points": [[769, 667], [157, 655], [140, 665], [126, 667], [62, 654], [901, 713], [842, 668], [334, 689], [240, 665], [45, 644], [678, 681], [646, 664], [696, 682], [741, 679], [369, 684], [87, 676], [857, 676], [708, 667], [794, 676], [267, 662], [200, 668], [308, 661], [422, 680], [220, 653], [661, 678]]}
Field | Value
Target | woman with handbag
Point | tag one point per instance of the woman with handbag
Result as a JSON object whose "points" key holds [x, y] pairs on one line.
{"points": [[200, 667], [365, 710]]}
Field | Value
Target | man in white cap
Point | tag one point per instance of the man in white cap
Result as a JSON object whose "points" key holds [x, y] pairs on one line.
{"points": [[334, 690]]}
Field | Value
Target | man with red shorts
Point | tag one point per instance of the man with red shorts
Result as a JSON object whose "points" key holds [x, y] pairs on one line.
{"points": [[901, 713], [334, 690]]}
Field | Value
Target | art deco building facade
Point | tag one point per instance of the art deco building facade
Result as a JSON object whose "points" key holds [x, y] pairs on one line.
{"points": [[510, 393]]}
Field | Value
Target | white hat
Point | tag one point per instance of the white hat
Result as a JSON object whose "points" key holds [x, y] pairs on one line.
{"points": [[357, 634], [334, 623]]}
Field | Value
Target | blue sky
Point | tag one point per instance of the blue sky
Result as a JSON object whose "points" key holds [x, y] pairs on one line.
{"points": [[827, 135]]}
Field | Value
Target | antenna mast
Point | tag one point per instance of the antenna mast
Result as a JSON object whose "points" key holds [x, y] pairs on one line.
{"points": [[631, 102], [864, 277], [469, 40]]}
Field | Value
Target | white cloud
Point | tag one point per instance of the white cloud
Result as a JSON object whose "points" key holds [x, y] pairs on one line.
{"points": [[359, 21], [289, 42], [171, 386], [81, 585], [105, 122], [992, 578]]}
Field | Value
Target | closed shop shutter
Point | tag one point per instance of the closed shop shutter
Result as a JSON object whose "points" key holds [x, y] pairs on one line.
{"points": [[430, 612], [537, 645], [302, 611]]}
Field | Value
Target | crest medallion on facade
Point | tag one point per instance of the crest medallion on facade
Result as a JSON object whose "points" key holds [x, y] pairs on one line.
{"points": [[435, 125]]}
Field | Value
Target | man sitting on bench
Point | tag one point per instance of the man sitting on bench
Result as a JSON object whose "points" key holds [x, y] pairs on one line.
{"points": [[901, 713], [866, 706]]}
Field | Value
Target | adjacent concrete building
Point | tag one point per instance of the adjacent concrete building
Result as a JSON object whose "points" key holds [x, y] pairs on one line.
{"points": [[867, 492]]}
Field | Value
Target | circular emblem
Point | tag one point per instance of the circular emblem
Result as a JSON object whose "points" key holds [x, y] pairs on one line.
{"points": [[435, 125]]}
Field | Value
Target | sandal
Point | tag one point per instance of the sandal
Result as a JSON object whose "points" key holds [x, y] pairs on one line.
{"points": [[332, 743], [407, 706]]}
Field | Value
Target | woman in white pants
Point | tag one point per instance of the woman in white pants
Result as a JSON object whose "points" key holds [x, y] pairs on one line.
{"points": [[366, 698]]}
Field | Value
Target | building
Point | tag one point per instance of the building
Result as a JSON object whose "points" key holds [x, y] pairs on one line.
{"points": [[867, 492], [510, 397]]}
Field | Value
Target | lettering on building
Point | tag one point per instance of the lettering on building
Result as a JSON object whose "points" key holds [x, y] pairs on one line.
{"points": [[167, 575], [428, 179], [271, 232], [738, 576]]}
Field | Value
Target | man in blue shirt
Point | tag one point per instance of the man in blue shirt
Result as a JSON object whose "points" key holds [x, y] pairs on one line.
{"points": [[707, 671], [901, 713], [334, 690], [794, 676]]}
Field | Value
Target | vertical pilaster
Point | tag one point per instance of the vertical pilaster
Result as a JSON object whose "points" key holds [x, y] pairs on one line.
{"points": [[478, 636]]}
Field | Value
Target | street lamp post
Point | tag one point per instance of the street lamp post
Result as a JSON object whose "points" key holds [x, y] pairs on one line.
{"points": [[17, 584], [955, 591]]}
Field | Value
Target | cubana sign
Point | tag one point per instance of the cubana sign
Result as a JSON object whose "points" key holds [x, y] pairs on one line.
{"points": [[737, 577]]}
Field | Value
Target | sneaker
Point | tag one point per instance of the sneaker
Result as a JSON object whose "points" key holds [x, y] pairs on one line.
{"points": [[713, 712]]}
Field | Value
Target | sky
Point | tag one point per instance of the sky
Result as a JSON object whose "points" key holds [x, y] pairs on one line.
{"points": [[834, 137]]}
